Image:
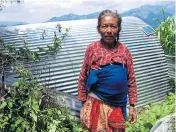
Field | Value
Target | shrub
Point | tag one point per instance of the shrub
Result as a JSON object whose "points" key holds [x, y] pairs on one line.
{"points": [[25, 106], [153, 113], [166, 34], [23, 109]]}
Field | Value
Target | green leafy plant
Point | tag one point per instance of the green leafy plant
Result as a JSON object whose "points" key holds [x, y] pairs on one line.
{"points": [[172, 85], [153, 113], [24, 110], [26, 106], [166, 33]]}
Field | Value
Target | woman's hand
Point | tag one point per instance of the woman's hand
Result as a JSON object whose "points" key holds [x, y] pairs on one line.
{"points": [[83, 102], [132, 115]]}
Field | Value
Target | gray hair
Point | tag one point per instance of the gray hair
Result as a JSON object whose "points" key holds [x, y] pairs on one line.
{"points": [[109, 13]]}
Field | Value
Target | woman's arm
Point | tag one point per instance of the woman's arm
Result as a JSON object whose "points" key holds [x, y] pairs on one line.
{"points": [[82, 93], [132, 87]]}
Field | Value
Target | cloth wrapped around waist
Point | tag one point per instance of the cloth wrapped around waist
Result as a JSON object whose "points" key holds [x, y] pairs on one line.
{"points": [[109, 84], [97, 116]]}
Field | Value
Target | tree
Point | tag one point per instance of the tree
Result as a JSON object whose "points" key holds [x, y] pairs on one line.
{"points": [[3, 3], [166, 33]]}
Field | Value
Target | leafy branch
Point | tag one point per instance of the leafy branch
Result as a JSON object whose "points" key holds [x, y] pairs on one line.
{"points": [[3, 3], [166, 33], [24, 108]]}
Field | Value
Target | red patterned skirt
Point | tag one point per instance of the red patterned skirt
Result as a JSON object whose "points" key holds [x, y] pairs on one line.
{"points": [[97, 116]]}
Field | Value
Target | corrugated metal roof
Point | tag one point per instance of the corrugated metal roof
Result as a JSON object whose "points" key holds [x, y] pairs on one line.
{"points": [[61, 71]]}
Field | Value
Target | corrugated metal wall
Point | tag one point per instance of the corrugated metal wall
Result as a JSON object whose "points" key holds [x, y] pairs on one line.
{"points": [[171, 66], [61, 71]]}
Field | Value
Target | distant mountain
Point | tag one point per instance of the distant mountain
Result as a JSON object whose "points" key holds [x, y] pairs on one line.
{"points": [[147, 13], [11, 23], [74, 17]]}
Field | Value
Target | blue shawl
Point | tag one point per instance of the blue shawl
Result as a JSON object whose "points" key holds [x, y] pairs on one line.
{"points": [[110, 84]]}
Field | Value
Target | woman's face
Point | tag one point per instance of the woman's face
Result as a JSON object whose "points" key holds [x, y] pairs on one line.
{"points": [[108, 29]]}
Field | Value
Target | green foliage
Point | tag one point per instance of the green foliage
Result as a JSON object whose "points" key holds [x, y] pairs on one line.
{"points": [[153, 113], [26, 53], [27, 107], [172, 85], [24, 110], [166, 34]]}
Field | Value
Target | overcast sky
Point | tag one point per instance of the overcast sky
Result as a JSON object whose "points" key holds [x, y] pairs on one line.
{"points": [[34, 11]]}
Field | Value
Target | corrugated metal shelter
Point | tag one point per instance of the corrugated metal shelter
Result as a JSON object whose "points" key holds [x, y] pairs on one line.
{"points": [[61, 71]]}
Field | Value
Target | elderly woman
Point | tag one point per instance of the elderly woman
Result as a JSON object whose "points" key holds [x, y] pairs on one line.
{"points": [[107, 79]]}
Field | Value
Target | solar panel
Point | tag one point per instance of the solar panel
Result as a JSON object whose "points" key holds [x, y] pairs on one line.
{"points": [[148, 30]]}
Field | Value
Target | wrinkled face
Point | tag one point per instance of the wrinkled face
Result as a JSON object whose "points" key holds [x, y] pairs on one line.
{"points": [[108, 29]]}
